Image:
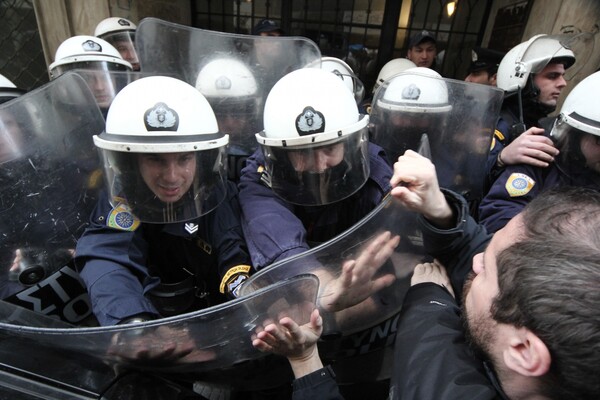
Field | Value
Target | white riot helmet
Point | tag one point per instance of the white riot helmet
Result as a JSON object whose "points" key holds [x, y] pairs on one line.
{"points": [[162, 150], [8, 90], [342, 70], [120, 32], [578, 111], [391, 68], [314, 139], [407, 106], [86, 52], [417, 90], [531, 57]]}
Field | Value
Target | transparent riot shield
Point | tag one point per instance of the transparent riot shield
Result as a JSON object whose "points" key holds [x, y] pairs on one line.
{"points": [[49, 179], [213, 345], [235, 72], [105, 84], [358, 337], [449, 121]]}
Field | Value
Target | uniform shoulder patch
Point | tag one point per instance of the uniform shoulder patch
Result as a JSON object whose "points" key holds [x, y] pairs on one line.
{"points": [[499, 135], [519, 184], [122, 218]]}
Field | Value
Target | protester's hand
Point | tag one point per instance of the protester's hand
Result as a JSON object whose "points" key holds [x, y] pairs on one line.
{"points": [[432, 272], [531, 147], [358, 279], [296, 342], [155, 346], [415, 184]]}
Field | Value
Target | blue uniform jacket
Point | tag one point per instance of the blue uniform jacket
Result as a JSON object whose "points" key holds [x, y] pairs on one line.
{"points": [[519, 184], [275, 229], [121, 267]]}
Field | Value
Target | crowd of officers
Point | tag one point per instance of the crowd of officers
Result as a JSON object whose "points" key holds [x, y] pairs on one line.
{"points": [[174, 232]]}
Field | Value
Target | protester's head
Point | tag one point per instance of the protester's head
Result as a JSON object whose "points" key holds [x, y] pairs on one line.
{"points": [[536, 69], [484, 66], [97, 57], [162, 150], [267, 27], [120, 32], [314, 140], [422, 49], [531, 308], [577, 128], [407, 106], [391, 68]]}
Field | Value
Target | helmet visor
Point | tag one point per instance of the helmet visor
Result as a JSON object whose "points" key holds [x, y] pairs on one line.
{"points": [[98, 77], [166, 187], [321, 174], [124, 43]]}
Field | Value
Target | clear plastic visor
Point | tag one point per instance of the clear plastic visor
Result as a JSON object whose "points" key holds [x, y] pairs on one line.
{"points": [[166, 187], [98, 77], [124, 42], [319, 175]]}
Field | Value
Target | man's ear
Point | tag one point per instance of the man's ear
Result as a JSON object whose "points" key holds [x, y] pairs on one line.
{"points": [[492, 79], [526, 353]]}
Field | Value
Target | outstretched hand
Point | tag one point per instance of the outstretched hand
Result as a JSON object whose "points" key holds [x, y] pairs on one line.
{"points": [[358, 279], [531, 147], [296, 342], [160, 346], [415, 184]]}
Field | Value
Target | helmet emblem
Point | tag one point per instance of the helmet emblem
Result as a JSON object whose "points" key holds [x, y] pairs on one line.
{"points": [[90, 45], [310, 121], [161, 118], [223, 83], [123, 22], [411, 92]]}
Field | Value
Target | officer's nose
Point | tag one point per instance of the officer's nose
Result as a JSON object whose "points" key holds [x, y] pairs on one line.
{"points": [[321, 161]]}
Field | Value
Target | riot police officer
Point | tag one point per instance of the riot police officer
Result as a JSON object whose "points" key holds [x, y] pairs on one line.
{"points": [[576, 133], [165, 238]]}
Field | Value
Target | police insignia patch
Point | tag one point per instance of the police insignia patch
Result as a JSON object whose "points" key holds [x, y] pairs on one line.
{"points": [[518, 184], [122, 219], [310, 121]]}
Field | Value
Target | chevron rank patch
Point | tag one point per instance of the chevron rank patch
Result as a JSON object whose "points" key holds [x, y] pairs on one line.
{"points": [[519, 184], [122, 219]]}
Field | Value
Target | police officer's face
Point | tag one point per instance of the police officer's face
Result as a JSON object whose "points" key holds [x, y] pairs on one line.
{"points": [[483, 77], [127, 51], [551, 82], [102, 86], [590, 148], [11, 137], [168, 175], [423, 54], [317, 160]]}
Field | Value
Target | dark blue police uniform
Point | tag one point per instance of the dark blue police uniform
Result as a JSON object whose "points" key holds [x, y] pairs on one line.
{"points": [[519, 184], [276, 230], [132, 268]]}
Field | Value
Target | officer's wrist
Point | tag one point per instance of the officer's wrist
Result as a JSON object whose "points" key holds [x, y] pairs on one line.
{"points": [[499, 161]]}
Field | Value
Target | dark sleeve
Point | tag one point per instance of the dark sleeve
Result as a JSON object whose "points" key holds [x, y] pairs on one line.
{"points": [[512, 191], [318, 385], [455, 247], [111, 263], [432, 361], [271, 229], [232, 251]]}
